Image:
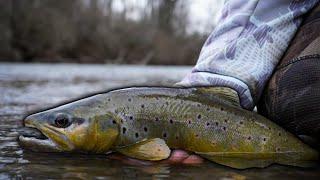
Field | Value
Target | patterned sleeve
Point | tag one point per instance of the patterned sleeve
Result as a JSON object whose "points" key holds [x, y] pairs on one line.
{"points": [[249, 40]]}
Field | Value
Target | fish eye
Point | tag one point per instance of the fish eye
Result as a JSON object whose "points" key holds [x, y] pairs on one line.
{"points": [[62, 121]]}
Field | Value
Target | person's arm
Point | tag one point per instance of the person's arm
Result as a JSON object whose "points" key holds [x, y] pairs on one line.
{"points": [[249, 40]]}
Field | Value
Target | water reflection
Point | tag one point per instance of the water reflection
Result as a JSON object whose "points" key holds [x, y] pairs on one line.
{"points": [[79, 166]]}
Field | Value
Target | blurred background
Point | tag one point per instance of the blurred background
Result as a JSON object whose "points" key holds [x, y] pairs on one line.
{"points": [[166, 32]]}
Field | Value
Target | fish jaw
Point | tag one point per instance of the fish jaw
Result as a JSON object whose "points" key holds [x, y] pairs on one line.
{"points": [[38, 145], [49, 144]]}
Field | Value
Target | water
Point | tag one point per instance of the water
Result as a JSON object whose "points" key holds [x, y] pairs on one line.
{"points": [[28, 88]]}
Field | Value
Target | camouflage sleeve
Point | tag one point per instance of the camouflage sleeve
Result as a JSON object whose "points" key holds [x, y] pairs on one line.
{"points": [[244, 48]]}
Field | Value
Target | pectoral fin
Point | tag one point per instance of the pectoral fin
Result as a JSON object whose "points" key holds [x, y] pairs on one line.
{"points": [[152, 150]]}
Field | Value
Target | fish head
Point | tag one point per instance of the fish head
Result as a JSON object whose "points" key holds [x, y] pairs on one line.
{"points": [[76, 127]]}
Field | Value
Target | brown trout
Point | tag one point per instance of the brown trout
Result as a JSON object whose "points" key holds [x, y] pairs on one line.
{"points": [[145, 123]]}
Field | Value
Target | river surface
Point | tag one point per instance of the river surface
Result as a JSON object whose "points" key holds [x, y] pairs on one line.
{"points": [[26, 88]]}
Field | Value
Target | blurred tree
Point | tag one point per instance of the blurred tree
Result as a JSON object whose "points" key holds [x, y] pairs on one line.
{"points": [[96, 31], [5, 31], [165, 16]]}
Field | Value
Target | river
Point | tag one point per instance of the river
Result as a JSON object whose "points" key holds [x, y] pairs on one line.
{"points": [[26, 88]]}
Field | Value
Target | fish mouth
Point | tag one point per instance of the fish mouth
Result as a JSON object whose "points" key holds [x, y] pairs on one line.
{"points": [[31, 132], [33, 139]]}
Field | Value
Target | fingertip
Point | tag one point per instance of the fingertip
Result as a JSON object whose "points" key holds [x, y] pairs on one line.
{"points": [[178, 156], [193, 159]]}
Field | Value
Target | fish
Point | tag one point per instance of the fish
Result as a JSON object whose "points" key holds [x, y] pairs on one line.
{"points": [[146, 123]]}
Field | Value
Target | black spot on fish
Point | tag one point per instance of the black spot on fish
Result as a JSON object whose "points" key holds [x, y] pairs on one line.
{"points": [[124, 130], [130, 117], [159, 150], [208, 124], [264, 139], [121, 120], [279, 134], [241, 122], [109, 99], [114, 122], [217, 123], [249, 138], [199, 116], [177, 137], [164, 135], [142, 106], [224, 128], [129, 99], [208, 109], [278, 149], [269, 128], [221, 109], [189, 122], [145, 129], [137, 135], [198, 105], [157, 119], [171, 121], [197, 135], [226, 121]]}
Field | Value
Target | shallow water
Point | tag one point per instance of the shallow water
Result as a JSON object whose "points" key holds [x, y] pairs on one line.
{"points": [[32, 87]]}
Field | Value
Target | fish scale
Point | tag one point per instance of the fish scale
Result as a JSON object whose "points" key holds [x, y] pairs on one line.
{"points": [[144, 122], [248, 135]]}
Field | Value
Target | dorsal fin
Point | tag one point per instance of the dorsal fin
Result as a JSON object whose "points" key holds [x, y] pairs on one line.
{"points": [[228, 95]]}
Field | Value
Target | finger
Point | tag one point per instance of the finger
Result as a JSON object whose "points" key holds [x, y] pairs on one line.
{"points": [[177, 156], [193, 159]]}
